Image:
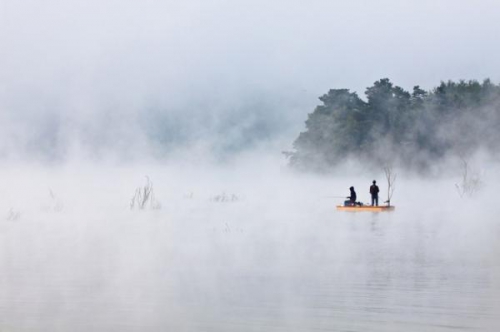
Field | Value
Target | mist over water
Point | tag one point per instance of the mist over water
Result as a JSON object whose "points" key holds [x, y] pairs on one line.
{"points": [[198, 99], [275, 256]]}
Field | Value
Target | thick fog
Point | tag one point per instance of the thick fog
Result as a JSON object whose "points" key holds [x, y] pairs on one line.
{"points": [[219, 74], [243, 248], [143, 186]]}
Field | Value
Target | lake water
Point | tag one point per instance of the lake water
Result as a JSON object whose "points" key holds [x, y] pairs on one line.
{"points": [[199, 265]]}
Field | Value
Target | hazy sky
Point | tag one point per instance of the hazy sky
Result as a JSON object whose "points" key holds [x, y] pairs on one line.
{"points": [[92, 63], [83, 77]]}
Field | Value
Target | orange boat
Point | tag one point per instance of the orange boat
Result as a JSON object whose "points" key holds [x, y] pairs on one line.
{"points": [[368, 208]]}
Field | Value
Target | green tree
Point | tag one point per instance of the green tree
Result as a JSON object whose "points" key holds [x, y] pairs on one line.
{"points": [[388, 107], [418, 128], [333, 130]]}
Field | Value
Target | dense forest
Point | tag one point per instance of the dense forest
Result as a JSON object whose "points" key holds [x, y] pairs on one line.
{"points": [[415, 129]]}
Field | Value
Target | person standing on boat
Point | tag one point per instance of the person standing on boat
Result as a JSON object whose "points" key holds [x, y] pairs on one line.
{"points": [[352, 197], [374, 192]]}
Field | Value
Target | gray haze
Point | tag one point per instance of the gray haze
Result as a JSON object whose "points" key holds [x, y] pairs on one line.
{"points": [[200, 97], [87, 76], [279, 258]]}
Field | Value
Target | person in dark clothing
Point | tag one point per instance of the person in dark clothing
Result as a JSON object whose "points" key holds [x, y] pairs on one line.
{"points": [[374, 192], [352, 197]]}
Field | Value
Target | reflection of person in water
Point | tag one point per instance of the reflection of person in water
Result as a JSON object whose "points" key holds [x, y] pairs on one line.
{"points": [[352, 197]]}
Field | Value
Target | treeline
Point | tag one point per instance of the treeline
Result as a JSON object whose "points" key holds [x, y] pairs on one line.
{"points": [[415, 129]]}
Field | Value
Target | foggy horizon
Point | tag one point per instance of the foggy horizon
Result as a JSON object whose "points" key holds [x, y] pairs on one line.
{"points": [[144, 183], [226, 76]]}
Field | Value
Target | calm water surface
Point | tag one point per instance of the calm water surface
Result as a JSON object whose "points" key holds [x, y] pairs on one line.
{"points": [[242, 267]]}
